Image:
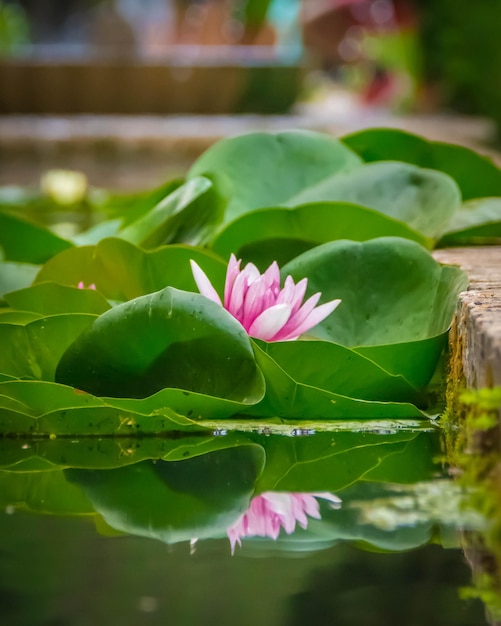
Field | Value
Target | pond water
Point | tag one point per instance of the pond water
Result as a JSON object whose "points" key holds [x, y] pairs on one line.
{"points": [[106, 531]]}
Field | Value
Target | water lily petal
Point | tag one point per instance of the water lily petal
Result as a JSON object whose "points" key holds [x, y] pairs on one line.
{"points": [[271, 511], [315, 317], [256, 301], [252, 273], [297, 319], [237, 297], [231, 275], [269, 322], [272, 278], [203, 283]]}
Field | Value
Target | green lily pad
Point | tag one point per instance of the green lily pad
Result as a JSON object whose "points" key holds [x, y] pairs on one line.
{"points": [[289, 399], [424, 199], [46, 408], [416, 361], [27, 242], [338, 369], [188, 214], [476, 175], [16, 275], [266, 169], [397, 301], [281, 233], [121, 271], [53, 299], [169, 339], [9, 316], [392, 290], [33, 350], [477, 221]]}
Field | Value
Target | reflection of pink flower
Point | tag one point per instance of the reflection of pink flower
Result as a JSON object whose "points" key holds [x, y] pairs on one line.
{"points": [[273, 510], [257, 302], [81, 285]]}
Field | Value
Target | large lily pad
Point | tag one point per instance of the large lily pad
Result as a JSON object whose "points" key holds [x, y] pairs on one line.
{"points": [[16, 275], [54, 299], [392, 290], [169, 339], [27, 242], [281, 233], [338, 369], [424, 199], [397, 301], [29, 407], [34, 349], [187, 215], [121, 271], [288, 398], [476, 175], [266, 169], [477, 221]]}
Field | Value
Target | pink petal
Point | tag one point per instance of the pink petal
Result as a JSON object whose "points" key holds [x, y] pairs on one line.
{"points": [[295, 320], [231, 274], [293, 294], [288, 292], [203, 283], [269, 322], [237, 296], [315, 317], [333, 499], [255, 302], [272, 277]]}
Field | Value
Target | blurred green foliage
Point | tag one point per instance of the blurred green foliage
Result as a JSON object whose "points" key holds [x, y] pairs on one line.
{"points": [[14, 29], [462, 54]]}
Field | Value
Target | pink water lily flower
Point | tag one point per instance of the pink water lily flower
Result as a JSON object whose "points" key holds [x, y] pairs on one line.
{"points": [[273, 510], [264, 309]]}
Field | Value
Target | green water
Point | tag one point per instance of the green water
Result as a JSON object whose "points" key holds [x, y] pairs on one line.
{"points": [[102, 532]]}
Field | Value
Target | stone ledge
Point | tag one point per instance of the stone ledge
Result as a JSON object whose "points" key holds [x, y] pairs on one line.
{"points": [[476, 333]]}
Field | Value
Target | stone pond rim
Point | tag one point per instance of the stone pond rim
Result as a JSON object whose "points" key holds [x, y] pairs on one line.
{"points": [[475, 339]]}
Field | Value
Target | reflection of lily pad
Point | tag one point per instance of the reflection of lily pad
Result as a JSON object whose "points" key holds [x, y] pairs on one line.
{"points": [[333, 461], [42, 492], [177, 500]]}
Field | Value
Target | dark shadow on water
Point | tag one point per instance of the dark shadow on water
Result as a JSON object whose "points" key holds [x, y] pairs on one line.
{"points": [[61, 572]]}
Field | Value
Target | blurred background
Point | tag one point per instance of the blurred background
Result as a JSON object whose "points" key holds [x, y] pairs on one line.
{"points": [[73, 72]]}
